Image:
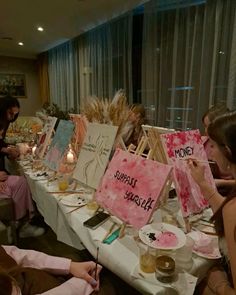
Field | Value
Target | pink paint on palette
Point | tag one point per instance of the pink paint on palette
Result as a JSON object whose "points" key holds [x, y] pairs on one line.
{"points": [[183, 145], [166, 239], [162, 236], [131, 187]]}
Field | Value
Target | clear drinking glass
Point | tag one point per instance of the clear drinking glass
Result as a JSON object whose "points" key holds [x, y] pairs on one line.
{"points": [[92, 204], [63, 182], [183, 256], [147, 258]]}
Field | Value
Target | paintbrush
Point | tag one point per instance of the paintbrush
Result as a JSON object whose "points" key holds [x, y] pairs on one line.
{"points": [[96, 266], [66, 192], [199, 161], [75, 209]]}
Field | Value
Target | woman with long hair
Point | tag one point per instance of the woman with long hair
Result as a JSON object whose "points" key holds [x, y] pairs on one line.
{"points": [[9, 111], [222, 132], [223, 180], [17, 188]]}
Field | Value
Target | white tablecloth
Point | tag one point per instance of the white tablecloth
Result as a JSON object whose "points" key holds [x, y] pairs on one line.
{"points": [[121, 257]]}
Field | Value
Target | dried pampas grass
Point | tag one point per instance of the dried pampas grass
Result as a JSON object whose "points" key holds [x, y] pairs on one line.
{"points": [[112, 112]]}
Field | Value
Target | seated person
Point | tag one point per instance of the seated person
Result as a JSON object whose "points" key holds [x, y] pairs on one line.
{"points": [[221, 279], [29, 272], [136, 120], [9, 111], [224, 180], [16, 188]]}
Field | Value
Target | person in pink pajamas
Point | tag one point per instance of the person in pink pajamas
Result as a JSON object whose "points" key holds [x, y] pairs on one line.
{"points": [[29, 272], [16, 188]]}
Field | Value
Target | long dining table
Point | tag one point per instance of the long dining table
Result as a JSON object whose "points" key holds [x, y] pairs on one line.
{"points": [[122, 255]]}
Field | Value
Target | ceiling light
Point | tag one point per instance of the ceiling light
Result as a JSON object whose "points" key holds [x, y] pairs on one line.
{"points": [[20, 43], [40, 29], [7, 38]]}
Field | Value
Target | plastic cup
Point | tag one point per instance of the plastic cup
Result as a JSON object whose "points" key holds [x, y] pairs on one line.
{"points": [[183, 256]]}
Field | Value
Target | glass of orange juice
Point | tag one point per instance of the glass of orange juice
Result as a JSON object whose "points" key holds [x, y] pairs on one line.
{"points": [[63, 183], [147, 258]]}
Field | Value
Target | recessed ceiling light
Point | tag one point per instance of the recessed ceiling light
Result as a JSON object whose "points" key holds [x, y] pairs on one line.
{"points": [[20, 43], [40, 29], [7, 38]]}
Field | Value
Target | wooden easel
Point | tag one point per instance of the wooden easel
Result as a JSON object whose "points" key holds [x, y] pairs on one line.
{"points": [[141, 148], [151, 141], [154, 142]]}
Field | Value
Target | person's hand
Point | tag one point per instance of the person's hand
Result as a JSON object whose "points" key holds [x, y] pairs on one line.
{"points": [[197, 170], [86, 271], [3, 187], [3, 176], [13, 152]]}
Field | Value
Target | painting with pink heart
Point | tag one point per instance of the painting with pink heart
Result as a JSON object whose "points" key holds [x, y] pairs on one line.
{"points": [[131, 187], [183, 145]]}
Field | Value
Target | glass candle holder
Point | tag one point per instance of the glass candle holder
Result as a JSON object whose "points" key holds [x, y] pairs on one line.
{"points": [[165, 269]]}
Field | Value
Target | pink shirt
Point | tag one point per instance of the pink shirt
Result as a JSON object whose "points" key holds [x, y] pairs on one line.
{"points": [[53, 265]]}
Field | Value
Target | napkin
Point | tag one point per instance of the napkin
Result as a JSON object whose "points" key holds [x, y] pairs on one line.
{"points": [[185, 285], [100, 233]]}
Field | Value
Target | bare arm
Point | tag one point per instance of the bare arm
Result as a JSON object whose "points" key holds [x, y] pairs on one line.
{"points": [[225, 182], [11, 151], [212, 196]]}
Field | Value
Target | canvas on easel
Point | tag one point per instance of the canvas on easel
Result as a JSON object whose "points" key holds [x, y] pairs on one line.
{"points": [[59, 144], [45, 137], [180, 146], [131, 187], [94, 154], [157, 152]]}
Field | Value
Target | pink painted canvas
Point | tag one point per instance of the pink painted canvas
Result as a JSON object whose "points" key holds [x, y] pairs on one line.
{"points": [[131, 187], [179, 146]]}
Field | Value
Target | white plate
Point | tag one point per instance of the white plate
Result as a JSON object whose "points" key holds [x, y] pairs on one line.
{"points": [[156, 229], [215, 251], [73, 201]]}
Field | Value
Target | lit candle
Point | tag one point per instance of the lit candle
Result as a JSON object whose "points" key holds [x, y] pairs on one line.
{"points": [[70, 157], [33, 150]]}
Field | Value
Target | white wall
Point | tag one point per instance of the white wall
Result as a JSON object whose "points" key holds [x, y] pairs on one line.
{"points": [[31, 103]]}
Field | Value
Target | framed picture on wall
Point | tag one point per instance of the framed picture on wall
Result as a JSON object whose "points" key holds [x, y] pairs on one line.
{"points": [[12, 84]]}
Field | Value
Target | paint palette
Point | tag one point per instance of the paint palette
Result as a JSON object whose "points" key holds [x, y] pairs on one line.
{"points": [[73, 201], [205, 245], [162, 236]]}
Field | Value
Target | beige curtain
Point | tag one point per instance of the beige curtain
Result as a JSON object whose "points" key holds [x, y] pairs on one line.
{"points": [[187, 60], [104, 57], [231, 94], [43, 77]]}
